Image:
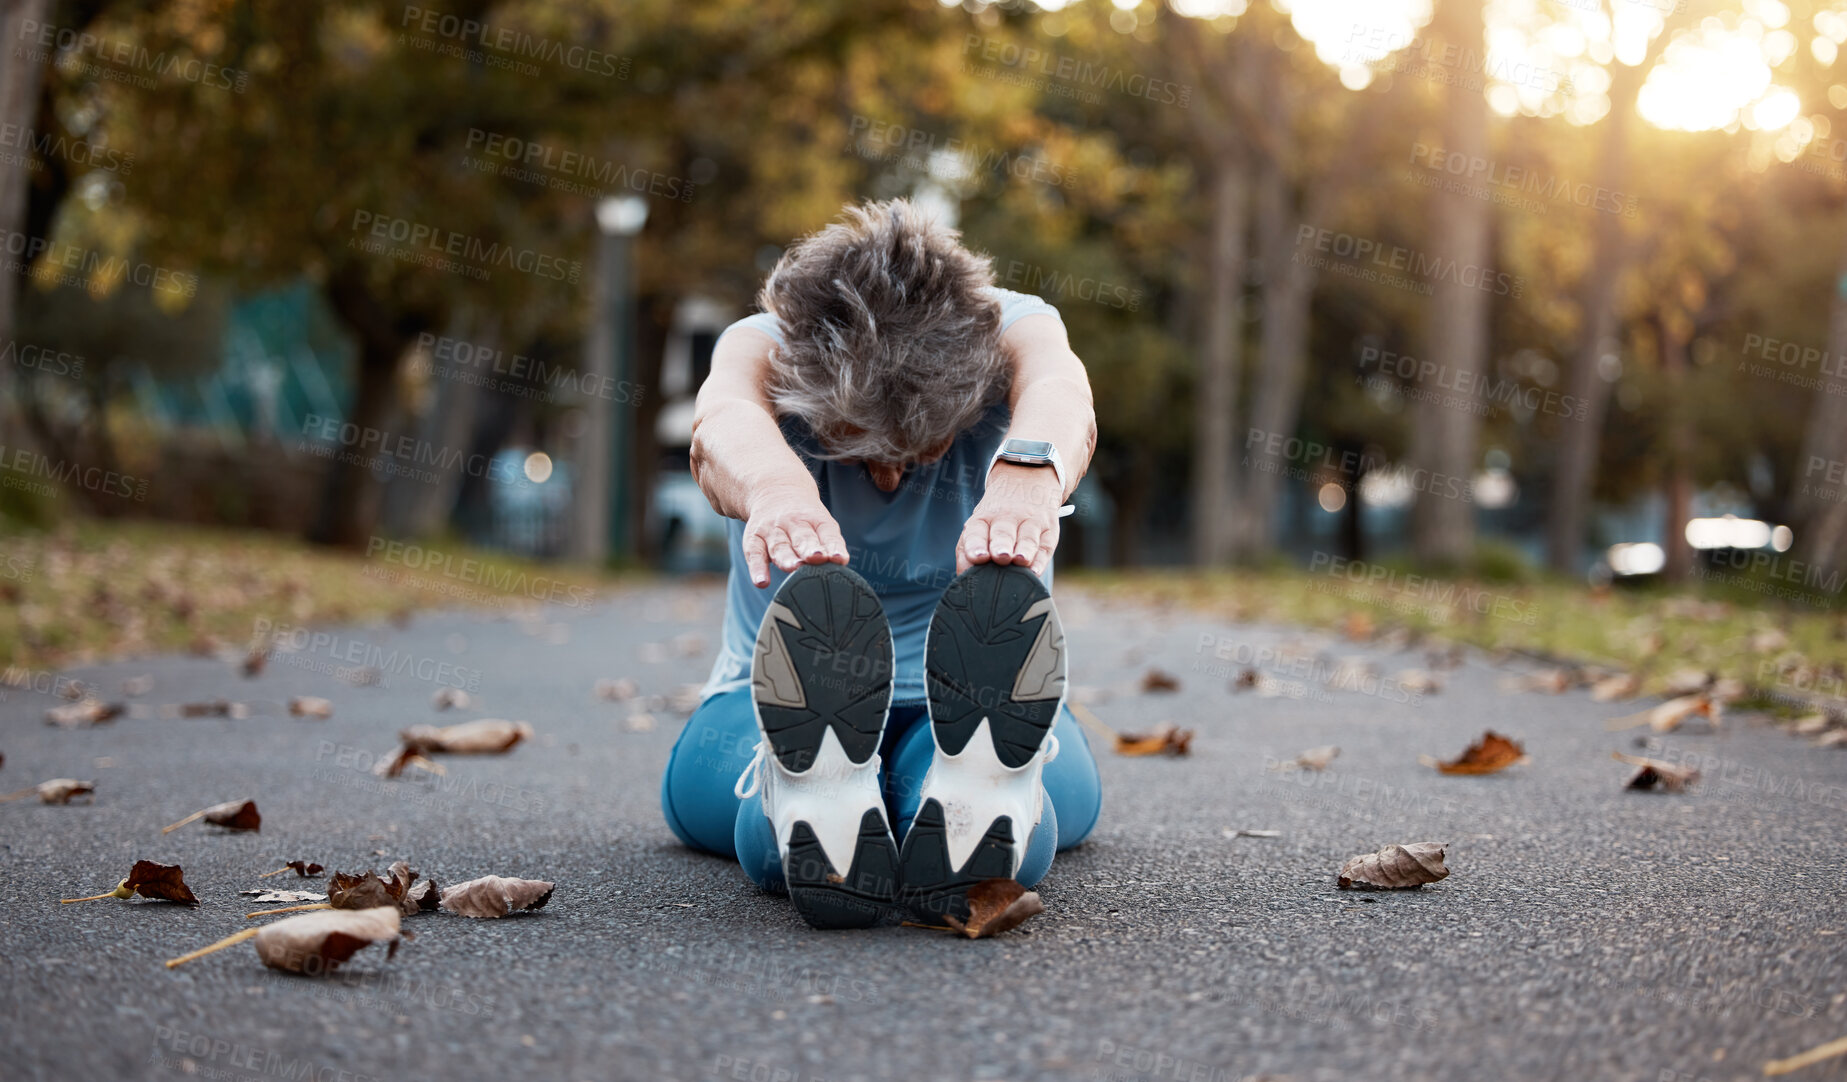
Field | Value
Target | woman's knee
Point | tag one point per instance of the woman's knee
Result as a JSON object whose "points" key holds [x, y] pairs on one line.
{"points": [[1073, 783]]}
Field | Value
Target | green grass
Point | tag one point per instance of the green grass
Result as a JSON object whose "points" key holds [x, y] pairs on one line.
{"points": [[1784, 652], [90, 590]]}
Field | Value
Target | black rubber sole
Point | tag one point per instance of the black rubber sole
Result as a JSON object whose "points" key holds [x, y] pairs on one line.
{"points": [[830, 668], [933, 889], [995, 651], [858, 898], [839, 651], [981, 639]]}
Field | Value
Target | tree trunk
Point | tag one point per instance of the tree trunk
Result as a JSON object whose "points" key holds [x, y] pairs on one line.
{"points": [[654, 314], [1276, 405], [1580, 435], [19, 103], [349, 507], [419, 509], [1215, 418], [1444, 434], [1821, 505], [1679, 484]]}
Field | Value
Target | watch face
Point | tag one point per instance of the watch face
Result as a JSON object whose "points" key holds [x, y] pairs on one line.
{"points": [[1029, 448]]}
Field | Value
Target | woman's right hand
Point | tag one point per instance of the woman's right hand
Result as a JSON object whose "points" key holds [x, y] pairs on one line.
{"points": [[789, 529]]}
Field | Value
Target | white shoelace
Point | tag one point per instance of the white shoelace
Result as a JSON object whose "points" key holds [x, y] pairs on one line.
{"points": [[754, 773]]}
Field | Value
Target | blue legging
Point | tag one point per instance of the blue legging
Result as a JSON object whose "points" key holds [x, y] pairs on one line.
{"points": [[720, 738]]}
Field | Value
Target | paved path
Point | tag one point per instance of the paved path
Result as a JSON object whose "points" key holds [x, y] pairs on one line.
{"points": [[1585, 933]]}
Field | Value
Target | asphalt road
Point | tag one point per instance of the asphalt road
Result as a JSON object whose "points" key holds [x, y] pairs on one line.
{"points": [[1585, 932]]}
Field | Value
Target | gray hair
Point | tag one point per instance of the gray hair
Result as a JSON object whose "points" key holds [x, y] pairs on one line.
{"points": [[891, 339]]}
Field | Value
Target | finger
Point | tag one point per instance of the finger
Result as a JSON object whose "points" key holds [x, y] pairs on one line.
{"points": [[807, 543], [1002, 536], [836, 546], [975, 540], [1026, 548], [1048, 542], [757, 560], [781, 552]]}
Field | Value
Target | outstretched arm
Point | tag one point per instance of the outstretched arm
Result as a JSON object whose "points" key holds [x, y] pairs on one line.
{"points": [[748, 471], [1017, 519]]}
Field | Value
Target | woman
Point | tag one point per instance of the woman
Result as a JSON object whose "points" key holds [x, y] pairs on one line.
{"points": [[893, 439]]}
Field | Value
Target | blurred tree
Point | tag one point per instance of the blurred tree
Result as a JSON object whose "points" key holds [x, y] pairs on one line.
{"points": [[1443, 440]]}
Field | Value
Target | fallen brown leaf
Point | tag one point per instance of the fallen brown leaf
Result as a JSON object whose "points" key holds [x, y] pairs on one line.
{"points": [[1619, 686], [84, 712], [1650, 773], [1358, 626], [1417, 680], [1553, 681], [232, 815], [310, 706], [1312, 759], [616, 690], [1157, 681], [451, 698], [1491, 754], [303, 869], [1836, 1047], [254, 661], [1395, 867], [994, 906], [265, 897], [1165, 739], [399, 888], [162, 882], [314, 944], [217, 708], [55, 791], [496, 896]]}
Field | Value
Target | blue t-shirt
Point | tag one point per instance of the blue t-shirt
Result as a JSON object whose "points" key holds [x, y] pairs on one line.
{"points": [[903, 543]]}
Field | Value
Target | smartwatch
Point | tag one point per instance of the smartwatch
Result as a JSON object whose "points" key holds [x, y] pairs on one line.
{"points": [[1034, 453]]}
